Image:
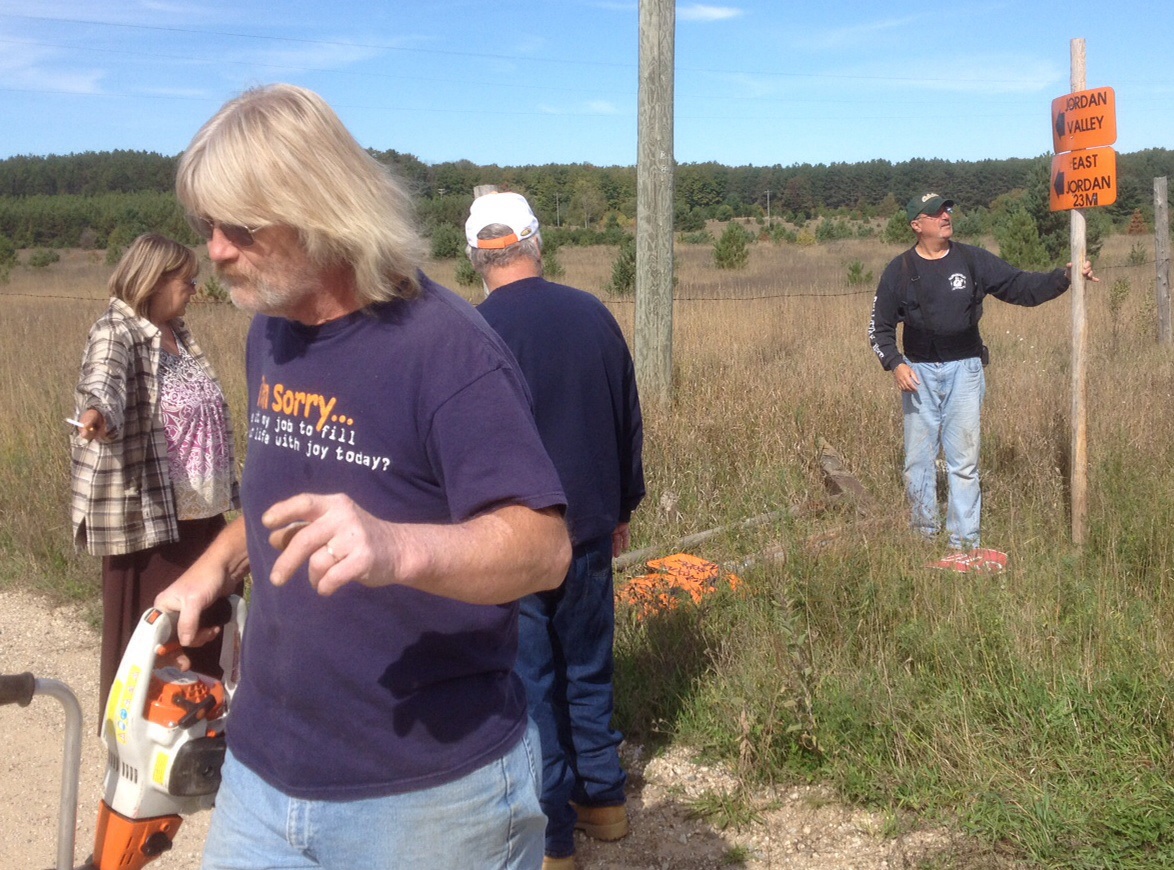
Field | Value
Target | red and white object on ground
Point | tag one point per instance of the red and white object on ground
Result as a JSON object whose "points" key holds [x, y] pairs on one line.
{"points": [[977, 561]]}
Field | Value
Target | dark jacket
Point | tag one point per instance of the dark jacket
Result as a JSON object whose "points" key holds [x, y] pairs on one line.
{"points": [[940, 302], [582, 380]]}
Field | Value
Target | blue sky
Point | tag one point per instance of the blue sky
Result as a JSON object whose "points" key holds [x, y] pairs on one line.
{"points": [[757, 82]]}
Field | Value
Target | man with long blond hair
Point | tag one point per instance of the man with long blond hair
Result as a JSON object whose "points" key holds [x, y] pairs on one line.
{"points": [[397, 501]]}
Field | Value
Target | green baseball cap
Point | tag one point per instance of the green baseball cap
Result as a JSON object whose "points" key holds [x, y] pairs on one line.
{"points": [[927, 203]]}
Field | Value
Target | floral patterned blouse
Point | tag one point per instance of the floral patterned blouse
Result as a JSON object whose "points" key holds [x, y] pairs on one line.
{"points": [[199, 452]]}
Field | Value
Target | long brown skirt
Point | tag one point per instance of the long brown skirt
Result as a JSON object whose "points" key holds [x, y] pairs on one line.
{"points": [[130, 583]]}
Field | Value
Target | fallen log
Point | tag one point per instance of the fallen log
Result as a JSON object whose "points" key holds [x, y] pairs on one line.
{"points": [[840, 483]]}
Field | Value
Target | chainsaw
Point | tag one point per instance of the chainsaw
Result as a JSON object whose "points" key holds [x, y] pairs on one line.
{"points": [[164, 731]]}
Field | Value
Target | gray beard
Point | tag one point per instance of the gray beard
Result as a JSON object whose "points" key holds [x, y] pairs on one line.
{"points": [[264, 297]]}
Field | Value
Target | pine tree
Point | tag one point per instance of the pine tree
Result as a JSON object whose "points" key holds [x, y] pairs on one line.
{"points": [[7, 258], [1019, 242], [897, 231], [623, 271], [732, 251]]}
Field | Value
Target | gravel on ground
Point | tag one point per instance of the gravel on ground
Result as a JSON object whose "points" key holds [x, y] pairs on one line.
{"points": [[796, 828]]}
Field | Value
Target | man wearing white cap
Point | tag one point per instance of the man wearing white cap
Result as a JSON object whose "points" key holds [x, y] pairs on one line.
{"points": [[936, 289], [582, 380]]}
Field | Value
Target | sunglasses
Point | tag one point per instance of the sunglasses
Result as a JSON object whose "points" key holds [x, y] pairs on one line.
{"points": [[240, 236], [937, 215]]}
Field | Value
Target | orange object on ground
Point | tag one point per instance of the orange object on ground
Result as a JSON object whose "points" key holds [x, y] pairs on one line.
{"points": [[680, 577]]}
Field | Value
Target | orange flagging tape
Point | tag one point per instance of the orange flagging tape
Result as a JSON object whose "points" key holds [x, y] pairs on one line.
{"points": [[680, 577]]}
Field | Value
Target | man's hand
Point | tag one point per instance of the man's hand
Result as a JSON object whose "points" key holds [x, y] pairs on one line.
{"points": [[621, 539], [1086, 271], [210, 577], [189, 596], [336, 539], [906, 378], [493, 558]]}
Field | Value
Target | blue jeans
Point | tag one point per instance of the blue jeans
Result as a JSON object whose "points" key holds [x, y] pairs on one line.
{"points": [[945, 415], [565, 661], [489, 818]]}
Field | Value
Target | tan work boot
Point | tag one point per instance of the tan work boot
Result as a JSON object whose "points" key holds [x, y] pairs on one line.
{"points": [[567, 863], [602, 823]]}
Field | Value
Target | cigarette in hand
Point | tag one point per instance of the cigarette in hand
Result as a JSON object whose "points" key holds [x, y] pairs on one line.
{"points": [[79, 424]]}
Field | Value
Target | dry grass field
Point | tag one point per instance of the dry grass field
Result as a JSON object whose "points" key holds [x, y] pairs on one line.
{"points": [[1034, 707]]}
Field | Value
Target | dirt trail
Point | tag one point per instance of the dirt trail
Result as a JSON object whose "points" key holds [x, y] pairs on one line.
{"points": [[800, 827]]}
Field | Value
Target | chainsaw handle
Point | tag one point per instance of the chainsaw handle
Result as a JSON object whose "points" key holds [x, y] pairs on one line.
{"points": [[218, 613], [17, 689]]}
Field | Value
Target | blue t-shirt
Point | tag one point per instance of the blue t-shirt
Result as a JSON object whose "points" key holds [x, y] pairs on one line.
{"points": [[417, 412]]}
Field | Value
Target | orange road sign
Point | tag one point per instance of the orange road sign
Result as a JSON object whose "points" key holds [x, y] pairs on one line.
{"points": [[1085, 119], [1084, 179]]}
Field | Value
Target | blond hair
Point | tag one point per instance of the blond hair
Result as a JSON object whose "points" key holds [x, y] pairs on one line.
{"points": [[150, 259], [279, 154]]}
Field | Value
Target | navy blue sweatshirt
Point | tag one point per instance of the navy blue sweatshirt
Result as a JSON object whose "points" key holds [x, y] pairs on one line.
{"points": [[583, 383]]}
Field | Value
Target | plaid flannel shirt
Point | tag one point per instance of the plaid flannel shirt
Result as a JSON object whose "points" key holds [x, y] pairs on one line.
{"points": [[122, 498]]}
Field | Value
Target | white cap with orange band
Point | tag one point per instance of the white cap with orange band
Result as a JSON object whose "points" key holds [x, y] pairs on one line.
{"points": [[508, 209]]}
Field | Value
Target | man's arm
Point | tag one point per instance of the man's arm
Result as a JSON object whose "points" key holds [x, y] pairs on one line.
{"points": [[886, 314], [212, 576], [621, 539], [882, 327], [494, 558], [1017, 287], [632, 489]]}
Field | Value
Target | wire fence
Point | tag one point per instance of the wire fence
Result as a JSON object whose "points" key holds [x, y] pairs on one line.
{"points": [[1103, 271]]}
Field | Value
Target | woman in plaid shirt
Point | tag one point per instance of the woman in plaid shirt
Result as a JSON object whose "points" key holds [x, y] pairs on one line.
{"points": [[152, 466]]}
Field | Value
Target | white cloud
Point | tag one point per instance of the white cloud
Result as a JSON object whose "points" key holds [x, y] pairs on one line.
{"points": [[532, 45], [318, 55], [142, 13], [981, 74], [177, 93], [30, 67], [590, 107], [1016, 75], [173, 8], [700, 12], [745, 85], [858, 34]]}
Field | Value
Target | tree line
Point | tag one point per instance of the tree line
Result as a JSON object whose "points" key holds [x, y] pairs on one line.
{"points": [[103, 199]]}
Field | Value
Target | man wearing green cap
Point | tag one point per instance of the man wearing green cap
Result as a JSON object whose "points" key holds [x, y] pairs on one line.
{"points": [[936, 289]]}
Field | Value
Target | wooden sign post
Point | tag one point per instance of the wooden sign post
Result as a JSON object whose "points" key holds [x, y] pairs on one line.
{"points": [[1084, 175]]}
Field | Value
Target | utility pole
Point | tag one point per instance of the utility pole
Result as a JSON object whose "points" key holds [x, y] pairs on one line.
{"points": [[1162, 256], [768, 207], [655, 164]]}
